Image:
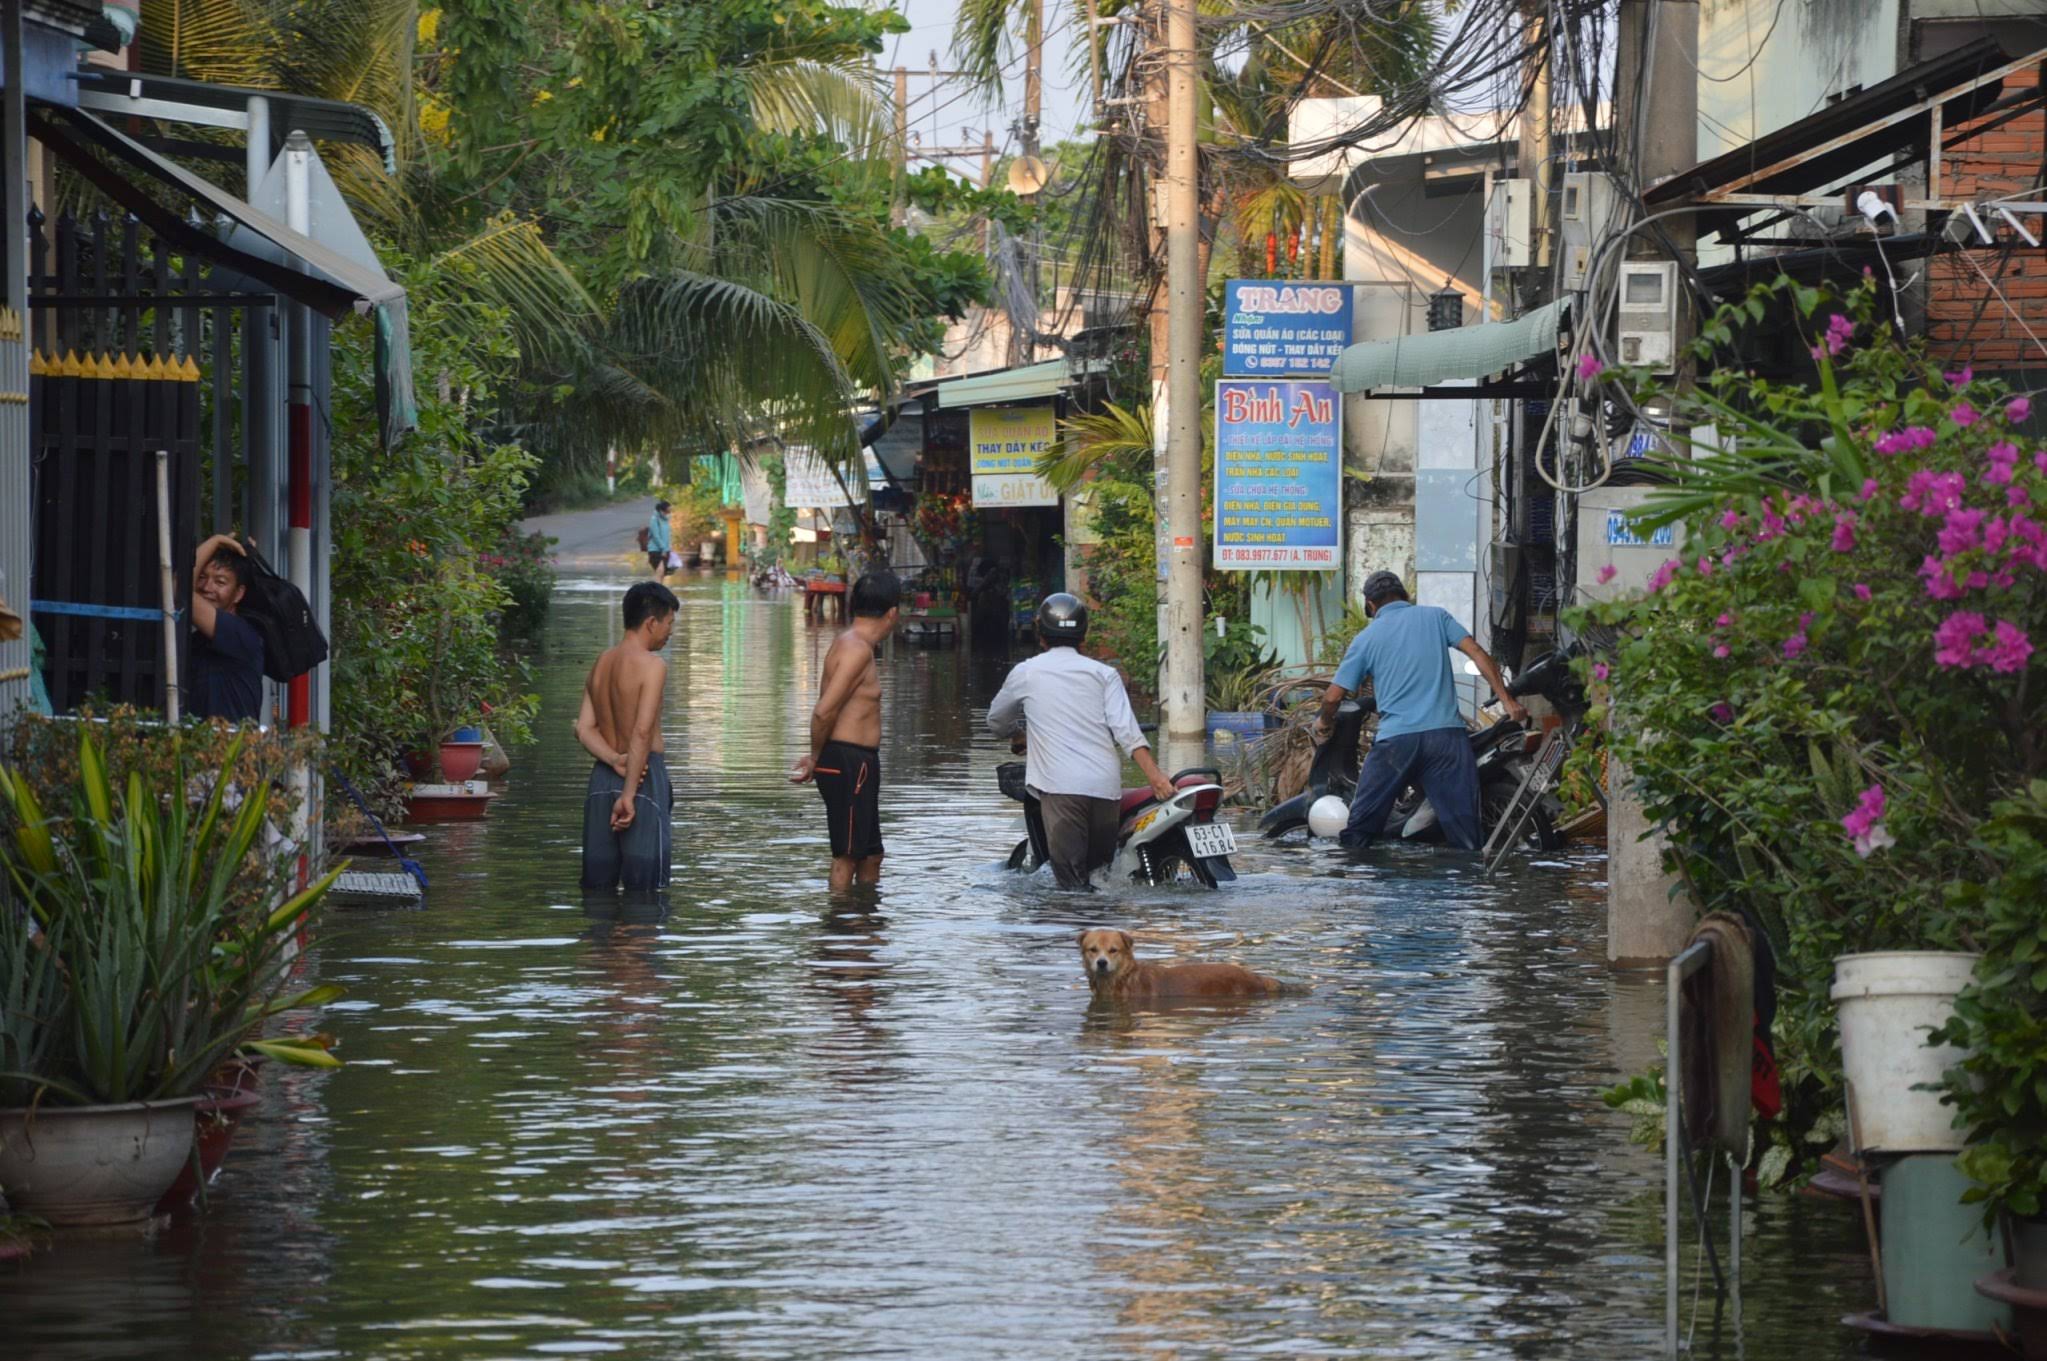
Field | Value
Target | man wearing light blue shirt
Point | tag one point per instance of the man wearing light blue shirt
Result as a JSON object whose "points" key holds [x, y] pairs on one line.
{"points": [[1422, 739]]}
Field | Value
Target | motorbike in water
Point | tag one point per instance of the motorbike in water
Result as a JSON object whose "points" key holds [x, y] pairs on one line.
{"points": [[1502, 753], [1156, 841]]}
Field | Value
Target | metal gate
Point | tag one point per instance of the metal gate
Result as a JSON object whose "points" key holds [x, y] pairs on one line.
{"points": [[136, 348]]}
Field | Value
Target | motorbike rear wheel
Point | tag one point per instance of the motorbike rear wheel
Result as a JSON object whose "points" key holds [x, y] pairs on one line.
{"points": [[1540, 832]]}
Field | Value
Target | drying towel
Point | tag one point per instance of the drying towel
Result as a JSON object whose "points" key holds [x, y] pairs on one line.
{"points": [[1716, 1026]]}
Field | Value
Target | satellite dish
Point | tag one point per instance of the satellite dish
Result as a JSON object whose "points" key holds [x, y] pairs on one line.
{"points": [[1028, 175]]}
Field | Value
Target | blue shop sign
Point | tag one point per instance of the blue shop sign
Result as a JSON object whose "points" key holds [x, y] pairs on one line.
{"points": [[1274, 328]]}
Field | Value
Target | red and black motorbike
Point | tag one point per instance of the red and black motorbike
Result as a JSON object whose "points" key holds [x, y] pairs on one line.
{"points": [[1157, 842]]}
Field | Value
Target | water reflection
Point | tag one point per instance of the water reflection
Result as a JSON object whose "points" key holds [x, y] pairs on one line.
{"points": [[750, 1120]]}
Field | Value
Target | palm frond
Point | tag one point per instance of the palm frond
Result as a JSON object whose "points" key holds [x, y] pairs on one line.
{"points": [[223, 42], [1087, 440], [511, 267], [793, 97]]}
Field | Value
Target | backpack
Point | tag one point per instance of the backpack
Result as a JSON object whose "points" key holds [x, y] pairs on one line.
{"points": [[277, 610], [644, 536]]}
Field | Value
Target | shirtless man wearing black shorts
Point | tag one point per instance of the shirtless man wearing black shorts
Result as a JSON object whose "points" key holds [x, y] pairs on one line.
{"points": [[845, 734]]}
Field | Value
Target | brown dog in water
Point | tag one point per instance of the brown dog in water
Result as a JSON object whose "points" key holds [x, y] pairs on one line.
{"points": [[1116, 974]]}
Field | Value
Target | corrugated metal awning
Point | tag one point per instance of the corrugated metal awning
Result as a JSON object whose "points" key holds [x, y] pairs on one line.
{"points": [[1032, 382], [1465, 352], [331, 283]]}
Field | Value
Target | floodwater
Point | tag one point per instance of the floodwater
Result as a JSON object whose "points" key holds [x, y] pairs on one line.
{"points": [[766, 1126]]}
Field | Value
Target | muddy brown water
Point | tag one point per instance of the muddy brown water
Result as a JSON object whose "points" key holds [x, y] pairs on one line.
{"points": [[765, 1126]]}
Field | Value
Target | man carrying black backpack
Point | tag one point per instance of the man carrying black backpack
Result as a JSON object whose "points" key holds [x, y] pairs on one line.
{"points": [[227, 650]]}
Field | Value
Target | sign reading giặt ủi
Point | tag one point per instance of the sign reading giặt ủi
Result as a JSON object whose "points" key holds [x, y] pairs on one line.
{"points": [[1278, 476], [1004, 444], [1276, 328]]}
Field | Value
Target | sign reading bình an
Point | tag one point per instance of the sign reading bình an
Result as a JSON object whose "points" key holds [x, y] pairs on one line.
{"points": [[1004, 444], [1275, 328], [1278, 476]]}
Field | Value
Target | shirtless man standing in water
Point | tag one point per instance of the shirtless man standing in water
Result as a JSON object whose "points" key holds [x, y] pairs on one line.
{"points": [[627, 805], [845, 734]]}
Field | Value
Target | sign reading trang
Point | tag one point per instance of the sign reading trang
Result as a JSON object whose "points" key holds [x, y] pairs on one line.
{"points": [[1278, 477], [1273, 328], [1004, 444]]}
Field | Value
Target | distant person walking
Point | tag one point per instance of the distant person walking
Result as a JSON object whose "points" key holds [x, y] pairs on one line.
{"points": [[629, 800], [656, 541], [227, 651], [845, 734]]}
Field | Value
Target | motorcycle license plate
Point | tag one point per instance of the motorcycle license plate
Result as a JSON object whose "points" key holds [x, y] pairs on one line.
{"points": [[1211, 838]]}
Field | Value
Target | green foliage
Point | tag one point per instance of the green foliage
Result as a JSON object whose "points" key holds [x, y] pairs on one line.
{"points": [[1787, 699], [146, 969], [1999, 1091], [525, 568], [419, 599], [1235, 661]]}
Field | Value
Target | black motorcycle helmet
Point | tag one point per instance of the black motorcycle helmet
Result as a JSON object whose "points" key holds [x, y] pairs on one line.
{"points": [[1062, 620]]}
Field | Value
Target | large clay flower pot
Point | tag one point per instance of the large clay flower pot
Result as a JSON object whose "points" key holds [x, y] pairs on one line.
{"points": [[76, 1165], [460, 761], [1887, 1001]]}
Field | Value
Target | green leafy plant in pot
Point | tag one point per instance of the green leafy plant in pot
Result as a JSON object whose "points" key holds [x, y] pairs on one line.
{"points": [[1999, 1090], [133, 963]]}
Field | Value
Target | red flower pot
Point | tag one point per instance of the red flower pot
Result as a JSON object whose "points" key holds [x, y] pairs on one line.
{"points": [[460, 761], [213, 1125]]}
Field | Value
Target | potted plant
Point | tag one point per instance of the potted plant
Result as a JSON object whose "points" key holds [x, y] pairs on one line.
{"points": [[142, 943], [1998, 1086], [1236, 662]]}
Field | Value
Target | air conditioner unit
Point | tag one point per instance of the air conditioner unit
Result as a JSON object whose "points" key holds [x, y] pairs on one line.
{"points": [[1647, 331], [1590, 213], [1509, 219]]}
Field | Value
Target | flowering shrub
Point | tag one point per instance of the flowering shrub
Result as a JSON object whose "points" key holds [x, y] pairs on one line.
{"points": [[524, 566], [1825, 693]]}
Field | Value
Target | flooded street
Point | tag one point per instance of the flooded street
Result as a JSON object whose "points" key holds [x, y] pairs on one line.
{"points": [[760, 1127]]}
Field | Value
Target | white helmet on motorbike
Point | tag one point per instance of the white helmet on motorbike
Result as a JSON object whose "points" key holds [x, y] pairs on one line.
{"points": [[1327, 816]]}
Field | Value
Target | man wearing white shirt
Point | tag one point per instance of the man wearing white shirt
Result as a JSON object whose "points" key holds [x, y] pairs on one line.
{"points": [[1078, 717]]}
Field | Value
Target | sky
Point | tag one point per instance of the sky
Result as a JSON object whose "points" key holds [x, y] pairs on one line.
{"points": [[946, 113]]}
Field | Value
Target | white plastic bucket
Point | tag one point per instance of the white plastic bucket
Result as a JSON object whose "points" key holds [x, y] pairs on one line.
{"points": [[1887, 1001]]}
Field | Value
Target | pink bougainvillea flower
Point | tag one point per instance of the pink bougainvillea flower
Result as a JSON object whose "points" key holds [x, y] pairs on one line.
{"points": [[1723, 712], [2040, 460], [1730, 518], [1706, 566], [2017, 409], [1940, 583], [1931, 493], [1865, 826], [1589, 367], [2008, 649], [1963, 415], [1844, 532], [2003, 458], [1721, 651], [1607, 573], [1961, 377], [1869, 489], [1905, 441], [1861, 591], [1961, 531], [1663, 575], [1773, 524], [1954, 641], [2017, 496], [1725, 620], [1600, 671], [1795, 646]]}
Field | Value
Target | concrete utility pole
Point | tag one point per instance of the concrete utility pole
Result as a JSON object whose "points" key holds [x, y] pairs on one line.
{"points": [[1535, 151], [1185, 713], [1034, 74], [1649, 917]]}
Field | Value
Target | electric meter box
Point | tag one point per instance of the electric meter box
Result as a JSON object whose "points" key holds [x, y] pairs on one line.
{"points": [[1647, 331], [1509, 219], [1590, 213], [1608, 537]]}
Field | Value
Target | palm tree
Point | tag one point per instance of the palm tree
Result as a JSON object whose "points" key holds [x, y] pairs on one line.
{"points": [[761, 315]]}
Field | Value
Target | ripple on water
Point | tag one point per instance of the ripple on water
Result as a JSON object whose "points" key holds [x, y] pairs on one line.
{"points": [[751, 1122]]}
